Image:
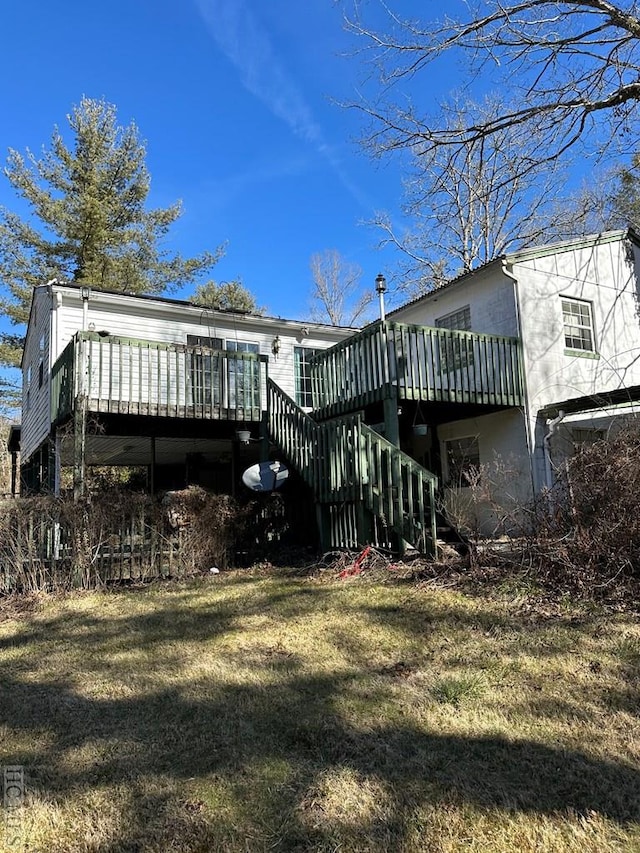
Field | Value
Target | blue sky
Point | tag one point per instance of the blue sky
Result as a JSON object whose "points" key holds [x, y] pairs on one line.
{"points": [[236, 101]]}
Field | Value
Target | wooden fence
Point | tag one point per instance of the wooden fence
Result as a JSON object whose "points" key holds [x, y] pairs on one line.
{"points": [[51, 544]]}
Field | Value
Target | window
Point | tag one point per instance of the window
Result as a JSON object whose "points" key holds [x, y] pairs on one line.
{"points": [[244, 377], [585, 437], [460, 320], [578, 325], [463, 460], [455, 352], [302, 368], [205, 370]]}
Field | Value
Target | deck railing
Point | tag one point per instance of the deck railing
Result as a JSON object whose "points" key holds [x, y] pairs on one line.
{"points": [[126, 376], [416, 363], [345, 460]]}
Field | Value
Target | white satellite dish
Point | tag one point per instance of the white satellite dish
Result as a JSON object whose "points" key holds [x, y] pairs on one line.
{"points": [[265, 476]]}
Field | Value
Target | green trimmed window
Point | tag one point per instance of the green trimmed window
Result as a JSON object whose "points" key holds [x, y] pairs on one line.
{"points": [[577, 317]]}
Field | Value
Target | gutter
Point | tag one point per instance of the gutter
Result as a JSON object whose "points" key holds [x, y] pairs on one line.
{"points": [[527, 420], [552, 427]]}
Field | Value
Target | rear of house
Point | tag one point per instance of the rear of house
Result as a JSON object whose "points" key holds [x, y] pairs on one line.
{"points": [[163, 384], [504, 368]]}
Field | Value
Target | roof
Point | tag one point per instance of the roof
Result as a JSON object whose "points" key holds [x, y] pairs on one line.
{"points": [[222, 312], [527, 254], [592, 402]]}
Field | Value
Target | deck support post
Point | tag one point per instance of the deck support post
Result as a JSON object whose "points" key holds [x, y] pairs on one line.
{"points": [[79, 446], [264, 437], [391, 423], [392, 434], [152, 467], [57, 462]]}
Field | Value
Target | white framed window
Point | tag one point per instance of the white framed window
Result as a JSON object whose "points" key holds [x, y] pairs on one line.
{"points": [[584, 437], [463, 460], [455, 352], [577, 318], [243, 377], [205, 370], [302, 369]]}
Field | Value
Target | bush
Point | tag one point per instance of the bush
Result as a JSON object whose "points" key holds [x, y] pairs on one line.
{"points": [[49, 543], [602, 505]]}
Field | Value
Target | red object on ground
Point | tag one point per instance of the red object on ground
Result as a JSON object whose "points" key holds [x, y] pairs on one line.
{"points": [[356, 567]]}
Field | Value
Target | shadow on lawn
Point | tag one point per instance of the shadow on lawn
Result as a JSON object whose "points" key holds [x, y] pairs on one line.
{"points": [[237, 729], [231, 734]]}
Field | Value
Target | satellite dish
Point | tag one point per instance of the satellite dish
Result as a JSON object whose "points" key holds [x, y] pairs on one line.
{"points": [[265, 476]]}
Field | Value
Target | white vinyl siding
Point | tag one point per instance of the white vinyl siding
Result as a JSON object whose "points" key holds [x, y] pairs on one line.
{"points": [[36, 418]]}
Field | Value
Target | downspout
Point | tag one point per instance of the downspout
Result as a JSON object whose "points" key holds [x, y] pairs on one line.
{"points": [[552, 426], [527, 420]]}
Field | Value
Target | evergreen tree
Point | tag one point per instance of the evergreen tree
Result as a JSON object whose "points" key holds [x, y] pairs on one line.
{"points": [[88, 222], [226, 296]]}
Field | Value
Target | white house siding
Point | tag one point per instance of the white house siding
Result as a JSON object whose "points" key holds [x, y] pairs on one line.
{"points": [[488, 293], [504, 459], [36, 394], [605, 274]]}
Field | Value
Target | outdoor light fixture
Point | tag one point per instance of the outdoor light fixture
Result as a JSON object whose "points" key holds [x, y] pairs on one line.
{"points": [[243, 436], [381, 288], [85, 293], [275, 346]]}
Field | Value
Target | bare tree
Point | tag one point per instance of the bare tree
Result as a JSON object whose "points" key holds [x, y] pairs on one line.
{"points": [[469, 206], [570, 68], [337, 296]]}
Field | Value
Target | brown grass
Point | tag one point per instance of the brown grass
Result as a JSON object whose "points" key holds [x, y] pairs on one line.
{"points": [[256, 712]]}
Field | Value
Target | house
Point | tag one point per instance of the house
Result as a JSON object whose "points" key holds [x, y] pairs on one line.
{"points": [[574, 307], [115, 379], [517, 360]]}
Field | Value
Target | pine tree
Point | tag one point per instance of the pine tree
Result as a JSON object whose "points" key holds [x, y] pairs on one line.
{"points": [[88, 222], [226, 296]]}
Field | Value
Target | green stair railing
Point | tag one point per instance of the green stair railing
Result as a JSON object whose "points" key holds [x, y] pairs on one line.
{"points": [[344, 460]]}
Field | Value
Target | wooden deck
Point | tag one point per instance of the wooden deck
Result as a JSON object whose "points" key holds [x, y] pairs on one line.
{"points": [[123, 376], [408, 362]]}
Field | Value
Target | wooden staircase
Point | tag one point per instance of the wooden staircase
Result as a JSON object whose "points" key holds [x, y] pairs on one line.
{"points": [[367, 490]]}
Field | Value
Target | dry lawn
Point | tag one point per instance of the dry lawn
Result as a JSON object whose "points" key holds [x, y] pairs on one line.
{"points": [[253, 712]]}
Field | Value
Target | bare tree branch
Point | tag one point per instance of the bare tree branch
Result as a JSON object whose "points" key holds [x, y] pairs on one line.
{"points": [[570, 66], [473, 203], [337, 295]]}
